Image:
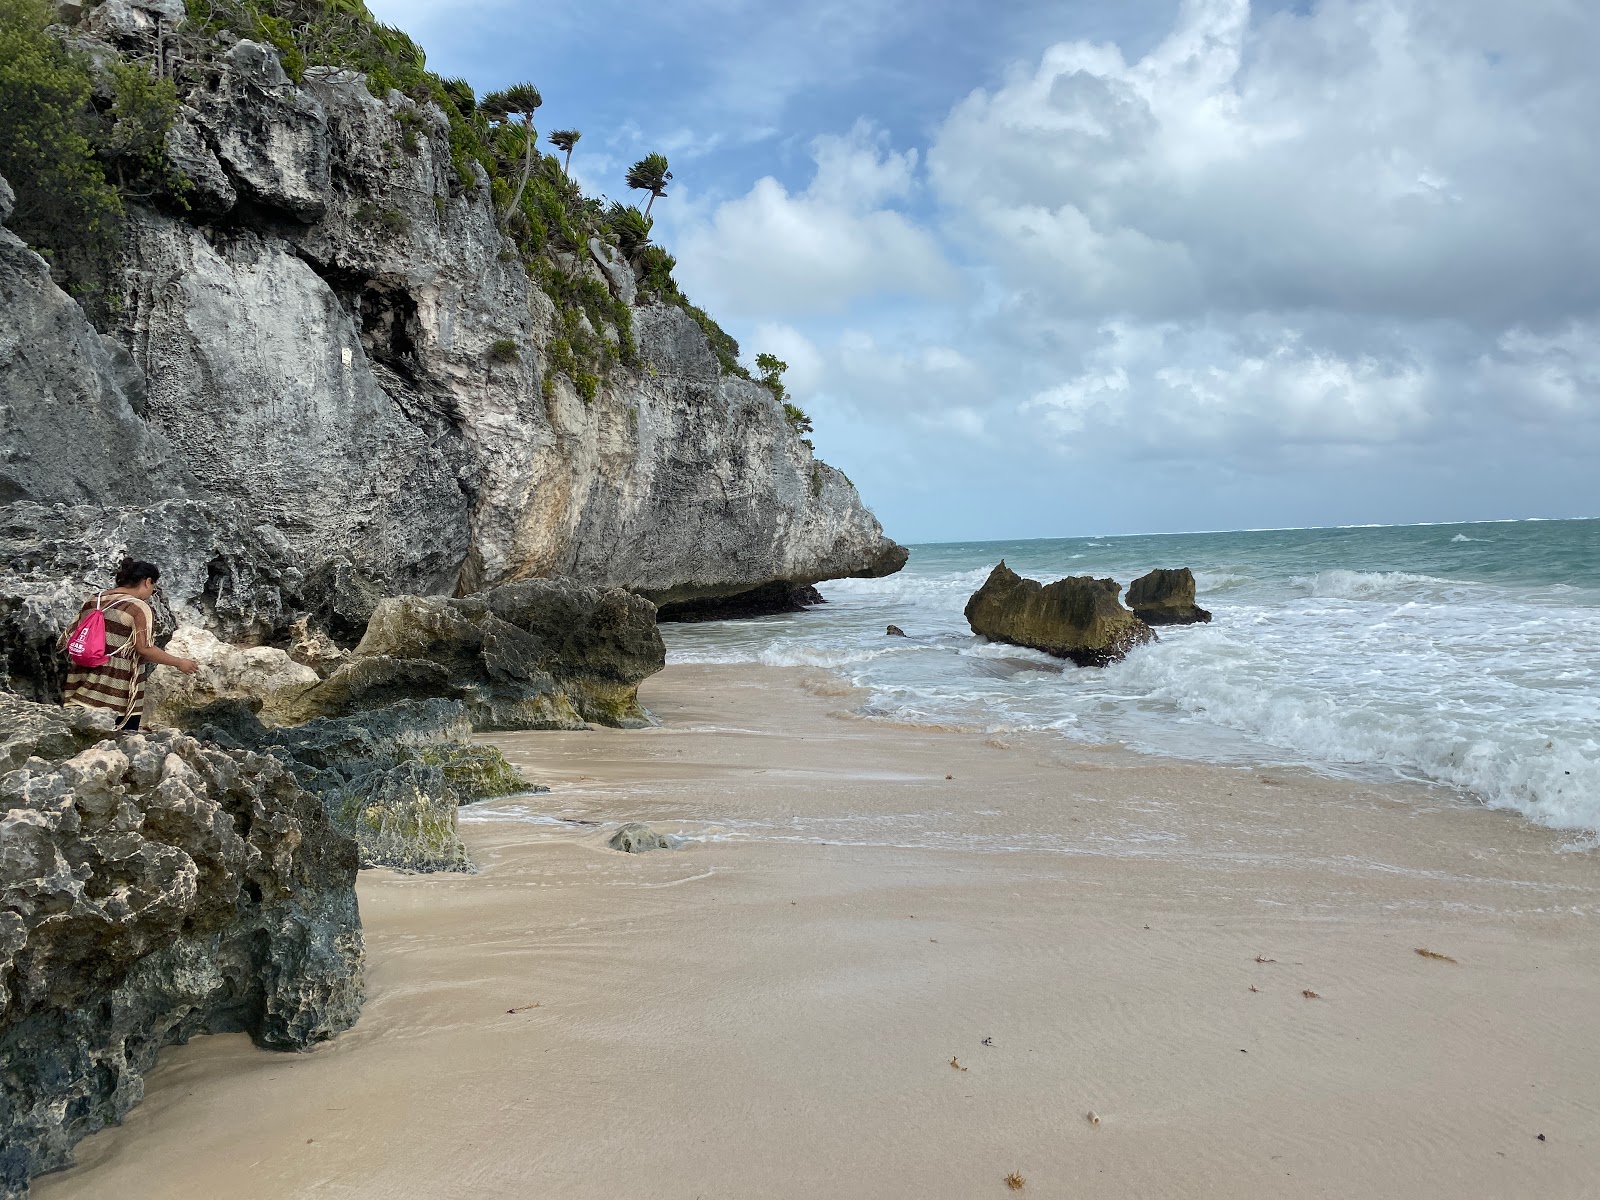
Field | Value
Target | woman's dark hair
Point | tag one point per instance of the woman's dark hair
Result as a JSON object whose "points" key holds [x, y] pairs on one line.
{"points": [[132, 572]]}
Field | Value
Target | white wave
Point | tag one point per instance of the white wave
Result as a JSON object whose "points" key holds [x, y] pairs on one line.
{"points": [[1461, 537], [1364, 585]]}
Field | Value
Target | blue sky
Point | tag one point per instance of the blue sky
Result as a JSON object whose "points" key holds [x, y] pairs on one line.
{"points": [[1143, 265]]}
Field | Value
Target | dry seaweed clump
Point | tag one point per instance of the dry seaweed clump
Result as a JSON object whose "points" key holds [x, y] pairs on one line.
{"points": [[1015, 1181]]}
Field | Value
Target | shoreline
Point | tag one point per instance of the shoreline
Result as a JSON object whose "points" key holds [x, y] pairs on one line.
{"points": [[770, 1010]]}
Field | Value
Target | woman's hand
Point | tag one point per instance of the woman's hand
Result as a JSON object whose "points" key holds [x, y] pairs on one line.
{"points": [[187, 665]]}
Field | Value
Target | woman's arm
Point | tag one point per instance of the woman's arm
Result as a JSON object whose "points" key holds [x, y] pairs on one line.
{"points": [[157, 655]]}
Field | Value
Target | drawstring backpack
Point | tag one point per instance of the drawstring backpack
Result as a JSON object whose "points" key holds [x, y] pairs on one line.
{"points": [[86, 647]]}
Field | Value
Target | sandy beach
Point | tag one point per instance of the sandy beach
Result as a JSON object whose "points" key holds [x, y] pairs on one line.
{"points": [[890, 961]]}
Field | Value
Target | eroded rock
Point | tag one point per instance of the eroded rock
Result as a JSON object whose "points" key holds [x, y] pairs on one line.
{"points": [[1076, 618], [392, 777], [153, 888], [1166, 597], [545, 654]]}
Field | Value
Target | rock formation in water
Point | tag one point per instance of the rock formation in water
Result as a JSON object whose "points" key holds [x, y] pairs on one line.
{"points": [[1166, 597], [1077, 618], [152, 888]]}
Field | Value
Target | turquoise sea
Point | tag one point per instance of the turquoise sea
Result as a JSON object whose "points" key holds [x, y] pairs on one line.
{"points": [[1463, 655]]}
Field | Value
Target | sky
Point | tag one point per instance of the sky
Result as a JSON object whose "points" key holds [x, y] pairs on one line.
{"points": [[1063, 268]]}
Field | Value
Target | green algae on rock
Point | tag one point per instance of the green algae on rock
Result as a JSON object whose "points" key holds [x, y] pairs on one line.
{"points": [[1077, 618]]}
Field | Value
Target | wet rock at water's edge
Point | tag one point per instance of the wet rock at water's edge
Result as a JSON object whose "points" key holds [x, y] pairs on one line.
{"points": [[634, 838], [895, 631], [1077, 618], [1166, 597]]}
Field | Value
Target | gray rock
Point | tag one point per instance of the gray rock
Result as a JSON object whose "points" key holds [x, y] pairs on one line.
{"points": [[290, 420], [151, 889], [1076, 618], [635, 838], [618, 274], [211, 192], [134, 24], [1166, 597], [67, 399], [270, 135], [8, 200], [895, 631]]}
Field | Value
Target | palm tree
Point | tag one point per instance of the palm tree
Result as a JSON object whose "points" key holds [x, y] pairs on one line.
{"points": [[650, 174], [519, 100], [565, 139]]}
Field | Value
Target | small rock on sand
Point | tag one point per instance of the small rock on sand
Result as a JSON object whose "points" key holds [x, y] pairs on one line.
{"points": [[634, 838]]}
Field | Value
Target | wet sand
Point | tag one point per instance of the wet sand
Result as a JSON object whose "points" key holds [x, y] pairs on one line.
{"points": [[772, 1009]]}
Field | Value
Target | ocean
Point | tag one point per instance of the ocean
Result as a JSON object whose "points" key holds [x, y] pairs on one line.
{"points": [[1466, 656]]}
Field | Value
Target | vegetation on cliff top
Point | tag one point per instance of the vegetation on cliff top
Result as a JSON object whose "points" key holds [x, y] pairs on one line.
{"points": [[79, 140]]}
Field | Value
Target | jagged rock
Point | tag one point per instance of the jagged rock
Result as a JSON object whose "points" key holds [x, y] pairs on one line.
{"points": [[210, 191], [65, 389], [134, 24], [270, 135], [152, 888], [290, 421], [1077, 618], [393, 776], [635, 838], [1165, 597], [767, 600], [546, 654], [315, 649], [263, 675], [8, 200], [895, 631], [216, 572], [618, 274]]}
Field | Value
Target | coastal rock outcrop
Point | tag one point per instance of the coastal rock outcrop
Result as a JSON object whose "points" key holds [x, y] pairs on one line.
{"points": [[392, 777], [1077, 618], [333, 332], [1166, 597], [152, 888], [545, 654]]}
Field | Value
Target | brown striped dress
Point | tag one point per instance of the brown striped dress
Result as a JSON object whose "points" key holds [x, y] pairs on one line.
{"points": [[119, 685]]}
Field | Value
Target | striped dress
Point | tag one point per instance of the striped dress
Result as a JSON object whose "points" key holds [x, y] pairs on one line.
{"points": [[119, 685]]}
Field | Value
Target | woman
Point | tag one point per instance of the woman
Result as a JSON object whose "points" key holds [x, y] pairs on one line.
{"points": [[130, 653]]}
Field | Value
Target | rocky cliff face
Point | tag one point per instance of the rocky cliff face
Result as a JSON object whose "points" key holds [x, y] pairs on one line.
{"points": [[336, 338], [152, 888]]}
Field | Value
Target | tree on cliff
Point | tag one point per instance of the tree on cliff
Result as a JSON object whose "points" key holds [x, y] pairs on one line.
{"points": [[519, 100], [565, 139], [772, 368], [65, 209], [650, 174]]}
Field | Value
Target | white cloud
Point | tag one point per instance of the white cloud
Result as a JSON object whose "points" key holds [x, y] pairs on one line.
{"points": [[838, 242], [1381, 155]]}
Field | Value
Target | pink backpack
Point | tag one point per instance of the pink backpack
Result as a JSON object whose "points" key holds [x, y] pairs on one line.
{"points": [[87, 645]]}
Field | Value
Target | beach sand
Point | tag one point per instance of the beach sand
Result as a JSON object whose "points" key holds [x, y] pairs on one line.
{"points": [[906, 962]]}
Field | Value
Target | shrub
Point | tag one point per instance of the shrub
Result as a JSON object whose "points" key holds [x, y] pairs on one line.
{"points": [[504, 351], [65, 208]]}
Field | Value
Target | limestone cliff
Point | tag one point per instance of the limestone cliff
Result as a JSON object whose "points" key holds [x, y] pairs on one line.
{"points": [[336, 339]]}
